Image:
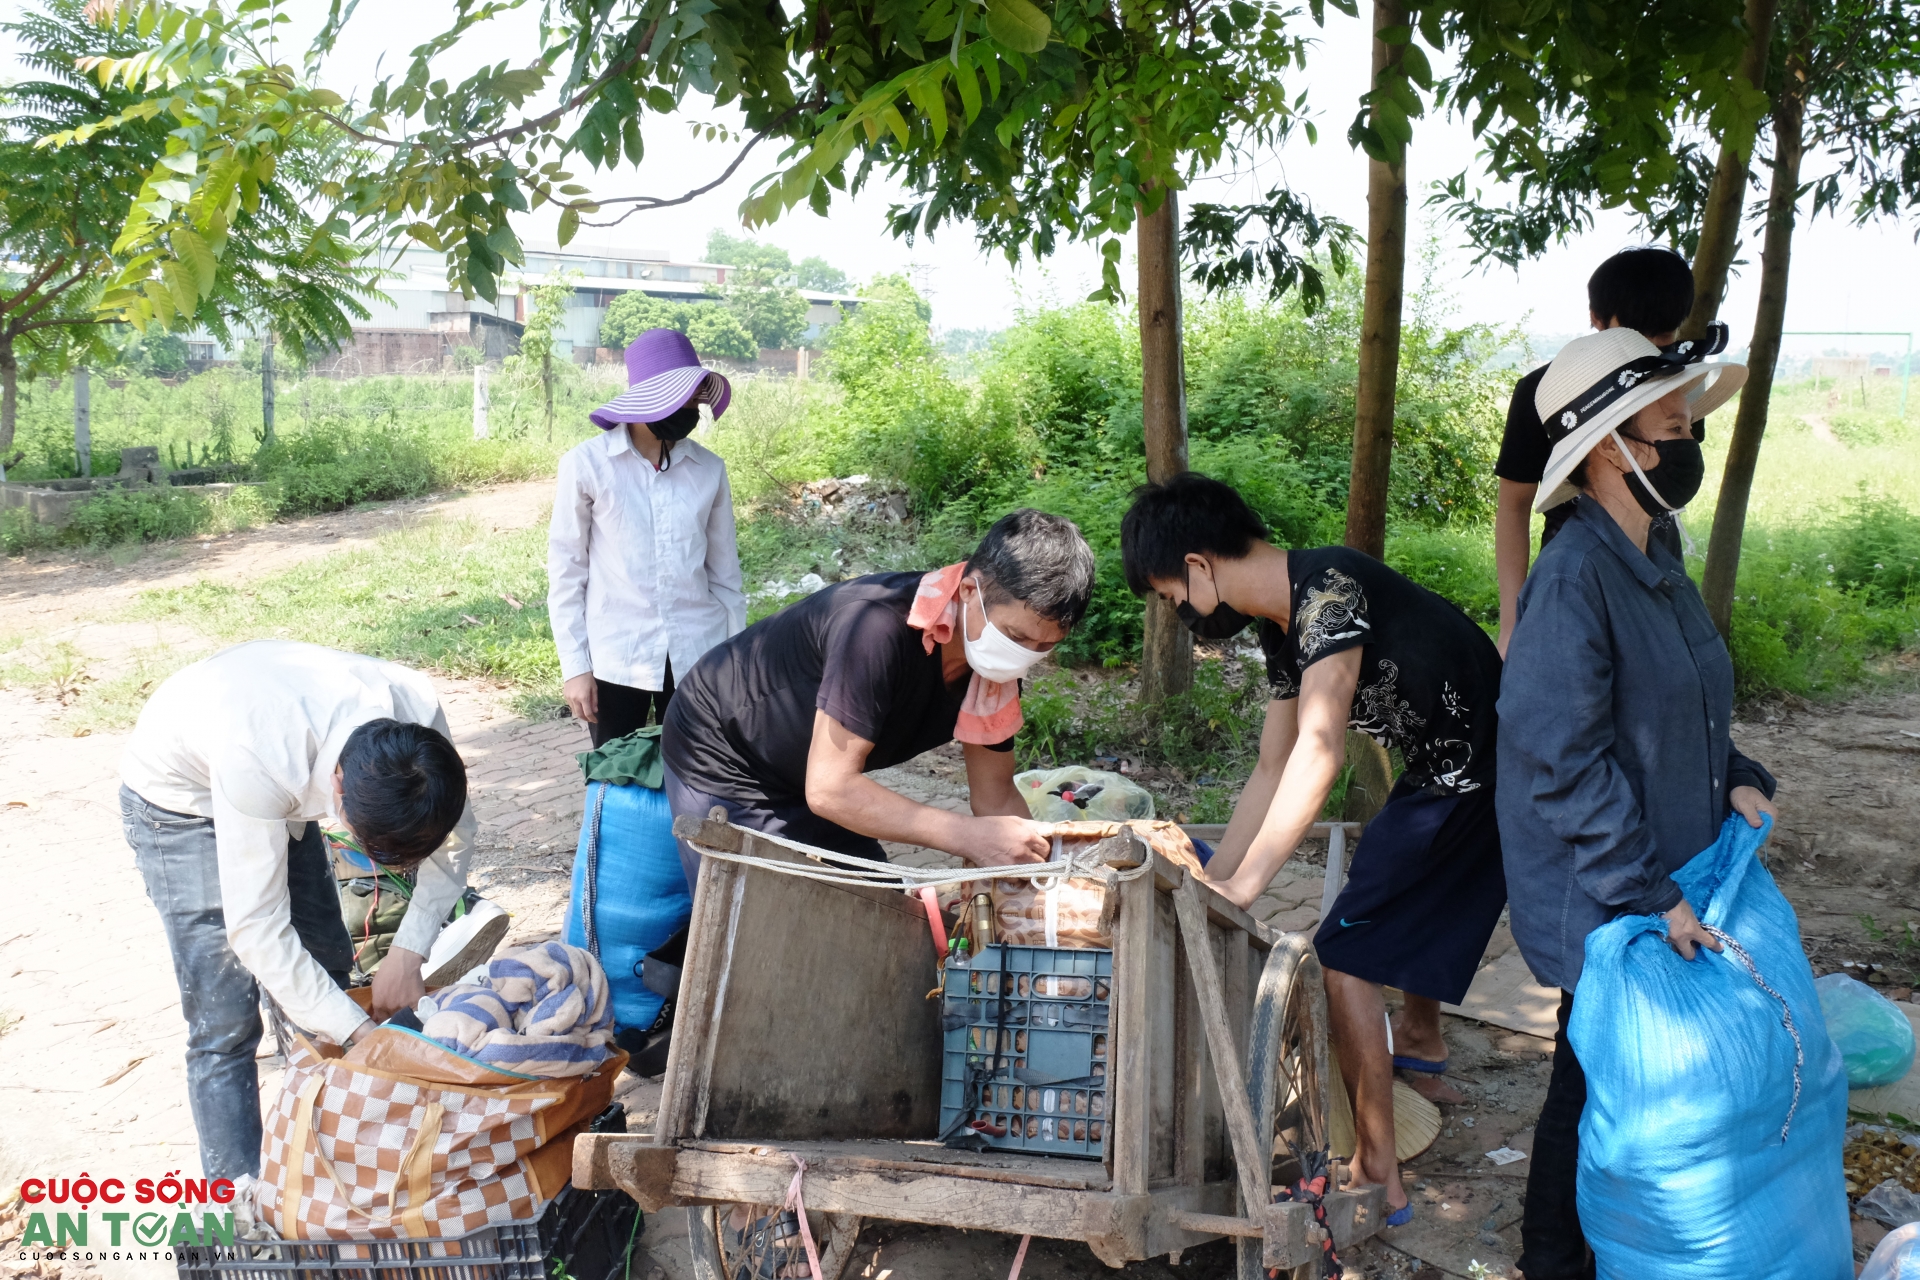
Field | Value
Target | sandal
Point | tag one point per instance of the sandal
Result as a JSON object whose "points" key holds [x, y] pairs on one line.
{"points": [[767, 1248]]}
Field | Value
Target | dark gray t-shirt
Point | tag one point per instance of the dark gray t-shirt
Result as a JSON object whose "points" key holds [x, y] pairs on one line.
{"points": [[741, 722]]}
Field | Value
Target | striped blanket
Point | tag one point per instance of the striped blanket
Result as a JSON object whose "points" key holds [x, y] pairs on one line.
{"points": [[542, 1010]]}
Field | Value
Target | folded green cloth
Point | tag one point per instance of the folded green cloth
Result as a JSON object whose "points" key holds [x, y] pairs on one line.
{"points": [[634, 759]]}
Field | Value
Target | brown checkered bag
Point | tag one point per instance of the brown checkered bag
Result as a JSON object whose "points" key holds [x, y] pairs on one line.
{"points": [[399, 1137]]}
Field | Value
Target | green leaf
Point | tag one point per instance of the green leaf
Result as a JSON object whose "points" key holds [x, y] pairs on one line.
{"points": [[1394, 35], [193, 251], [969, 87], [891, 117], [1018, 25], [1413, 60], [569, 224], [925, 93]]}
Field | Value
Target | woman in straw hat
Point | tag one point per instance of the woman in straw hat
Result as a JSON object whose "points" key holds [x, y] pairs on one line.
{"points": [[1615, 764]]}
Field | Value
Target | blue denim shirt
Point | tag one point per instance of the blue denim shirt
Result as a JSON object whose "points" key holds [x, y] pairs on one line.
{"points": [[1615, 759]]}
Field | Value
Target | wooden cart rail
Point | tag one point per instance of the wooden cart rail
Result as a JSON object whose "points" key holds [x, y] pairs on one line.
{"points": [[804, 1034]]}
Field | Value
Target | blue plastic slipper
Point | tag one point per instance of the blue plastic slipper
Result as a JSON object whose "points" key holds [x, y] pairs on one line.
{"points": [[1402, 1216], [1425, 1066]]}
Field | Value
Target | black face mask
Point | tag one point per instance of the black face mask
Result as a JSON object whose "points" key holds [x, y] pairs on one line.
{"points": [[1678, 475], [1223, 623], [677, 425]]}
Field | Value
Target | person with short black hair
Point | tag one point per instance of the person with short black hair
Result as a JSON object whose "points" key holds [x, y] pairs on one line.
{"points": [[781, 724], [1648, 290], [242, 772], [1349, 643]]}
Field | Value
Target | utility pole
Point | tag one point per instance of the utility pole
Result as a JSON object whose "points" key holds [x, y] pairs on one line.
{"points": [[82, 422], [266, 389]]}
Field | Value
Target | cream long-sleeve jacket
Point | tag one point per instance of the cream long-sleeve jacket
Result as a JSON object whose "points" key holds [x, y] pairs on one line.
{"points": [[642, 565], [250, 738]]}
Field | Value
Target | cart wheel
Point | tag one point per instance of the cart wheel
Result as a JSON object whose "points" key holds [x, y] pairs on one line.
{"points": [[835, 1233], [1287, 1073]]}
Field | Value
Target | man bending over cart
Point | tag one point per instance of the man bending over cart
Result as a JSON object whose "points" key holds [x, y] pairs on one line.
{"points": [[1349, 642], [781, 724]]}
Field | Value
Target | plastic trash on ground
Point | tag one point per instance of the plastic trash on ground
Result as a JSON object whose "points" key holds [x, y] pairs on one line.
{"points": [[1874, 1037], [1897, 1257], [1890, 1204], [1077, 792]]}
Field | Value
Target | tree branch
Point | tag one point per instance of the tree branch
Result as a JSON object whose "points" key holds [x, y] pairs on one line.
{"points": [[526, 126], [33, 284], [46, 298], [20, 328], [643, 203]]}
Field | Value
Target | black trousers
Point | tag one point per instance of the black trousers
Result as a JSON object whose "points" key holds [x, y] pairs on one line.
{"points": [[624, 708], [1552, 1246]]}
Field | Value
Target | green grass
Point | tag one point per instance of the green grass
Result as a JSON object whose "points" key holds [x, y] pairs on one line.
{"points": [[434, 596], [1829, 585]]}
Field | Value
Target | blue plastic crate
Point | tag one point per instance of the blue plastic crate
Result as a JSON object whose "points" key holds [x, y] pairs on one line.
{"points": [[1045, 1089], [503, 1251]]}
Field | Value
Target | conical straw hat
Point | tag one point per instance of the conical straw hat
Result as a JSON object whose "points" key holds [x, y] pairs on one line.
{"points": [[1416, 1122]]}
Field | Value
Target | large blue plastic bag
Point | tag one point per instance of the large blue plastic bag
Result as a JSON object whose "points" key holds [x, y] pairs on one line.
{"points": [[639, 893], [1875, 1039], [1691, 1079]]}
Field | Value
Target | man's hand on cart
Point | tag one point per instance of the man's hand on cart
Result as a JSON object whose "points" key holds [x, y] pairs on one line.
{"points": [[397, 983], [1001, 841]]}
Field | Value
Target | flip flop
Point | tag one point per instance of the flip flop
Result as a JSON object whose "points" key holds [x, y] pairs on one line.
{"points": [[766, 1248], [1425, 1066], [1402, 1216]]}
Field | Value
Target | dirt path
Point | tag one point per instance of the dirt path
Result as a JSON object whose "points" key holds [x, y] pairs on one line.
{"points": [[47, 591]]}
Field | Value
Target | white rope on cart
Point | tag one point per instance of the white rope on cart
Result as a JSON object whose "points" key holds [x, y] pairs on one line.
{"points": [[827, 867]]}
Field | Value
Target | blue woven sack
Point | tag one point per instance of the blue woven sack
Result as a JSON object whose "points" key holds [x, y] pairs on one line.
{"points": [[1710, 1143], [627, 881]]}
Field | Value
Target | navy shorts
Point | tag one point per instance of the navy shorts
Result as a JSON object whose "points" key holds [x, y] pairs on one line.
{"points": [[1425, 892]]}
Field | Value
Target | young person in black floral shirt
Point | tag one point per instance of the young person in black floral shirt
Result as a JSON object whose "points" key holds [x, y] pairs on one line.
{"points": [[1350, 643]]}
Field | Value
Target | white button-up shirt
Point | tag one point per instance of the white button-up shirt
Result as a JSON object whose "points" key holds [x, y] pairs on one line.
{"points": [[642, 565], [250, 738]]}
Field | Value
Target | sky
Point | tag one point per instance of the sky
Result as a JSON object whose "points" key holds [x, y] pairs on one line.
{"points": [[1843, 277]]}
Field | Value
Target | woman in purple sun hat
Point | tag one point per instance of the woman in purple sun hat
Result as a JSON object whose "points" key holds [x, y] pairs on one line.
{"points": [[643, 571]]}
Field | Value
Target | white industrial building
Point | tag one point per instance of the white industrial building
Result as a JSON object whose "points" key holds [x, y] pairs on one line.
{"points": [[423, 322]]}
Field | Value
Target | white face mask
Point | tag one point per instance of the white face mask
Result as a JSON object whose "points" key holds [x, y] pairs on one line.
{"points": [[995, 656]]}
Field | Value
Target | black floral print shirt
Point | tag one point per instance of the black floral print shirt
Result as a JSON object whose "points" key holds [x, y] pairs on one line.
{"points": [[1429, 676]]}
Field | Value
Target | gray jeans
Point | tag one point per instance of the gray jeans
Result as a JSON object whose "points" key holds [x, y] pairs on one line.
{"points": [[221, 1002]]}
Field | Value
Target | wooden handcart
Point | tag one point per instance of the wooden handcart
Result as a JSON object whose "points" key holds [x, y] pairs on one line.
{"points": [[804, 1035]]}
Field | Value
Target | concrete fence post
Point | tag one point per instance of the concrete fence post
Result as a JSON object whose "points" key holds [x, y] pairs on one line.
{"points": [[83, 422], [482, 402], [266, 388]]}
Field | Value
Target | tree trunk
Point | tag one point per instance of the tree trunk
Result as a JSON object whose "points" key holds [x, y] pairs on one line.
{"points": [[1720, 220], [1166, 665], [9, 399], [1750, 424], [1379, 326]]}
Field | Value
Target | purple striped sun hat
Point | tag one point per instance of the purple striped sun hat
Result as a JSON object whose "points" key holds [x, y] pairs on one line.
{"points": [[663, 374]]}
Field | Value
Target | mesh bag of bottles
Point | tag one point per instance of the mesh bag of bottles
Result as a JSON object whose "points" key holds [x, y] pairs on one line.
{"points": [[1030, 913]]}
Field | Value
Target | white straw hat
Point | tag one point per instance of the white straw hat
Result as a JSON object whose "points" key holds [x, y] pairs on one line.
{"points": [[1600, 380]]}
